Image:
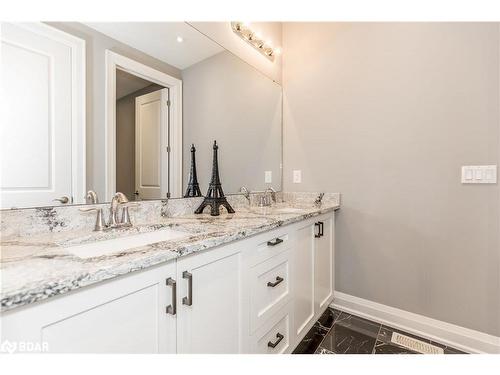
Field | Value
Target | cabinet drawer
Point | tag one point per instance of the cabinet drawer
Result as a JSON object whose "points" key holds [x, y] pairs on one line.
{"points": [[270, 288], [274, 338], [269, 245]]}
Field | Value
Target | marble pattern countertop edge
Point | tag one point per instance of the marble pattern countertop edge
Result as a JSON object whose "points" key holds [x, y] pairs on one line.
{"points": [[35, 268]]}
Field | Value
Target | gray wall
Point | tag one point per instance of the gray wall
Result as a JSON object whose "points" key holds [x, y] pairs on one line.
{"points": [[125, 140], [227, 100], [96, 46], [387, 114]]}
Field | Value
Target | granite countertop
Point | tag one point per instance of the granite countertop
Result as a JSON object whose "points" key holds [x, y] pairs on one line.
{"points": [[34, 268]]}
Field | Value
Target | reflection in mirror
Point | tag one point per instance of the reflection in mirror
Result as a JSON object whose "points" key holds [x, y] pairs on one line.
{"points": [[62, 146], [43, 120], [231, 102], [139, 122]]}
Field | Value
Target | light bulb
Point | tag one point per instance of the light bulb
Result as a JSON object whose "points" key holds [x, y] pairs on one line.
{"points": [[180, 39], [277, 51]]}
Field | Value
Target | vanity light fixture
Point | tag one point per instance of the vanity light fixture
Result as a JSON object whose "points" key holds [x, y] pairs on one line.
{"points": [[255, 39]]}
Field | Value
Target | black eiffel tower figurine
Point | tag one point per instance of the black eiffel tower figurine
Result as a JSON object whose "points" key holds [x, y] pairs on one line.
{"points": [[193, 188], [215, 195]]}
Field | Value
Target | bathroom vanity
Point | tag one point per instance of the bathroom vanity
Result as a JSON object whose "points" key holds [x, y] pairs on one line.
{"points": [[250, 282], [74, 278]]}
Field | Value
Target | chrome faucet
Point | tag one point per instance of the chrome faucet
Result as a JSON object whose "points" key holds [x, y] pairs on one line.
{"points": [[319, 199], [91, 197], [245, 192], [269, 197], [119, 201]]}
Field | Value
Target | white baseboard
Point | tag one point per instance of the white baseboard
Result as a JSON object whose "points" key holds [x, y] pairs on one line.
{"points": [[449, 334]]}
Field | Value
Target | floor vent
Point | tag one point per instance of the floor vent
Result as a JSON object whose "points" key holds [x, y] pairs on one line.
{"points": [[414, 344]]}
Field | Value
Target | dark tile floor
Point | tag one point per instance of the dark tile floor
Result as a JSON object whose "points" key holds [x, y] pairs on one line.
{"points": [[338, 332]]}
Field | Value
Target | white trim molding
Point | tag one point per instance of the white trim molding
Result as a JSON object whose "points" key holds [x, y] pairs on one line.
{"points": [[115, 61], [449, 334]]}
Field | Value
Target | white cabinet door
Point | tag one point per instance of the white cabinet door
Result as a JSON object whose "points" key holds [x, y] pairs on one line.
{"points": [[42, 126], [209, 318], [125, 315], [303, 273], [323, 263], [151, 141]]}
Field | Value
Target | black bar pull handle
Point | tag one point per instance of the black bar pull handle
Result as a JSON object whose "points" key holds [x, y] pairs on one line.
{"points": [[188, 301], [279, 337], [172, 309], [277, 241], [321, 227], [278, 281], [318, 235]]}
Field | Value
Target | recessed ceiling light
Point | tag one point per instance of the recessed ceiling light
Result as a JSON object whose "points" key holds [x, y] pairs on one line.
{"points": [[180, 39]]}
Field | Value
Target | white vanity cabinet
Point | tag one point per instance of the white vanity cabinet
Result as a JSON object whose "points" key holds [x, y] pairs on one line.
{"points": [[268, 292], [258, 295], [313, 271], [209, 301], [323, 262], [303, 273], [123, 315]]}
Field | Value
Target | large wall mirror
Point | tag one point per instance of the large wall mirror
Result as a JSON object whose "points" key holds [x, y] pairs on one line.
{"points": [[117, 106]]}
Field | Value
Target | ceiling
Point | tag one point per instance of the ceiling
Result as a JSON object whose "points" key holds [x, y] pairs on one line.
{"points": [[159, 40], [127, 83]]}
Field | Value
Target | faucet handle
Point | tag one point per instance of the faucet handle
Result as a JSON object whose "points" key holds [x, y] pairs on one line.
{"points": [[89, 208], [125, 214], [262, 200], [126, 217], [270, 190], [100, 224], [129, 204], [86, 209]]}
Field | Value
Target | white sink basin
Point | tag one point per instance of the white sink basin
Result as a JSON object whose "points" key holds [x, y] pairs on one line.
{"points": [[117, 245]]}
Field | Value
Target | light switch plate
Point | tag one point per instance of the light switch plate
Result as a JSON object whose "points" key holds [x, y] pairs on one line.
{"points": [[268, 177], [479, 174], [297, 176]]}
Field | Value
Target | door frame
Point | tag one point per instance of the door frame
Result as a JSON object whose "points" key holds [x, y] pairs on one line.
{"points": [[115, 61], [78, 105]]}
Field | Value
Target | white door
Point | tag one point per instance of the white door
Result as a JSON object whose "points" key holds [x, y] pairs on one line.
{"points": [[323, 264], [151, 142], [209, 318], [303, 263], [42, 125]]}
